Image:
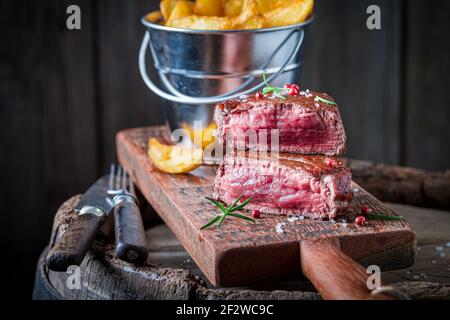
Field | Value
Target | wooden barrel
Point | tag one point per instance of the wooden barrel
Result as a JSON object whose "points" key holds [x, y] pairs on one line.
{"points": [[171, 274]]}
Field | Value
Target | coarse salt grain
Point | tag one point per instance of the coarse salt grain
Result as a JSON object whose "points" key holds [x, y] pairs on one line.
{"points": [[443, 254], [448, 244], [333, 221], [317, 105], [355, 190], [302, 218], [292, 219], [439, 249], [434, 262], [345, 225], [279, 228], [244, 96]]}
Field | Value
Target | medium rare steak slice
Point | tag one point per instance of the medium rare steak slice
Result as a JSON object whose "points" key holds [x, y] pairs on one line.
{"points": [[294, 185], [306, 124]]}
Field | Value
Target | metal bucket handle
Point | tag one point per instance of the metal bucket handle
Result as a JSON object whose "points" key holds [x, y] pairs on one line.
{"points": [[181, 98]]}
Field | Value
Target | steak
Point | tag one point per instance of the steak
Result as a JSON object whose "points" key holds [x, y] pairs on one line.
{"points": [[298, 185], [306, 125]]}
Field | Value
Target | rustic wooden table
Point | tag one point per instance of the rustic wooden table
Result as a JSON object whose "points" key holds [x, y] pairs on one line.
{"points": [[171, 274]]}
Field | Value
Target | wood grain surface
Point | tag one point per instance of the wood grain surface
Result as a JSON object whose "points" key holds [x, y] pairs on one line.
{"points": [[241, 253], [170, 272]]}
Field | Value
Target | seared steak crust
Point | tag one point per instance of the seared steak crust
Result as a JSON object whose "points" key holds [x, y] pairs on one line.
{"points": [[305, 125]]}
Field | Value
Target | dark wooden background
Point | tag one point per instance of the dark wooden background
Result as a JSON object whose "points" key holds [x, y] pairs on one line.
{"points": [[64, 94]]}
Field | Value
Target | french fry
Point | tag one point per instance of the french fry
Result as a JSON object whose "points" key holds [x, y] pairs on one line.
{"points": [[202, 23], [201, 138], [250, 18], [231, 14], [174, 159], [181, 9], [211, 8], [154, 16], [232, 8], [256, 22], [269, 5], [296, 12], [166, 7]]}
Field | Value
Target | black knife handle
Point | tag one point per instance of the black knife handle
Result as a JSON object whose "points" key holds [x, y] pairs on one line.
{"points": [[131, 241], [71, 248]]}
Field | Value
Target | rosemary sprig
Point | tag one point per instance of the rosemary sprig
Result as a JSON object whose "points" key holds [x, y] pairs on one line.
{"points": [[230, 211], [371, 216], [276, 92], [324, 100]]}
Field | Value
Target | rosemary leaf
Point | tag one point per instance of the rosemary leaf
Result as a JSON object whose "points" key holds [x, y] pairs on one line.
{"points": [[242, 205], [240, 216], [324, 100], [235, 202], [279, 95], [228, 212], [222, 219], [210, 223], [218, 204]]}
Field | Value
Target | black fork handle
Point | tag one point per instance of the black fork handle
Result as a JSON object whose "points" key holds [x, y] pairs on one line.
{"points": [[131, 241]]}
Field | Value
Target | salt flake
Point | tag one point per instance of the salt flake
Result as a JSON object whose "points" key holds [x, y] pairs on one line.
{"points": [[279, 228], [292, 219], [439, 249]]}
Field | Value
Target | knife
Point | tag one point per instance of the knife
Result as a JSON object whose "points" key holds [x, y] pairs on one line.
{"points": [[93, 208]]}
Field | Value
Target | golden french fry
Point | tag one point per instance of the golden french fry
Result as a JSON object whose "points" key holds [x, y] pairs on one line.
{"points": [[250, 17], [269, 5], [181, 9], [154, 16], [232, 8], [211, 8], [166, 7], [174, 159], [256, 22], [201, 138], [295, 12], [202, 23]]}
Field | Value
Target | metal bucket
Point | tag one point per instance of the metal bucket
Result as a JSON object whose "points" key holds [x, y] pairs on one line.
{"points": [[198, 69]]}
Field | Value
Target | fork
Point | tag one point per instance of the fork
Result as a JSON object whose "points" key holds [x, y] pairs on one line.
{"points": [[131, 242]]}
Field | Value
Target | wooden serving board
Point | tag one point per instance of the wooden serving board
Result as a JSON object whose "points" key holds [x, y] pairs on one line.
{"points": [[241, 253]]}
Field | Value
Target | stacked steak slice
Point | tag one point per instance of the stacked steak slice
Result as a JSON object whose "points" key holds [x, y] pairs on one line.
{"points": [[305, 126], [301, 176], [291, 185]]}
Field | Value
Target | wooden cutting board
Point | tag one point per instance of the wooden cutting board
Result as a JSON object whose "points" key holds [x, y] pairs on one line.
{"points": [[243, 254]]}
